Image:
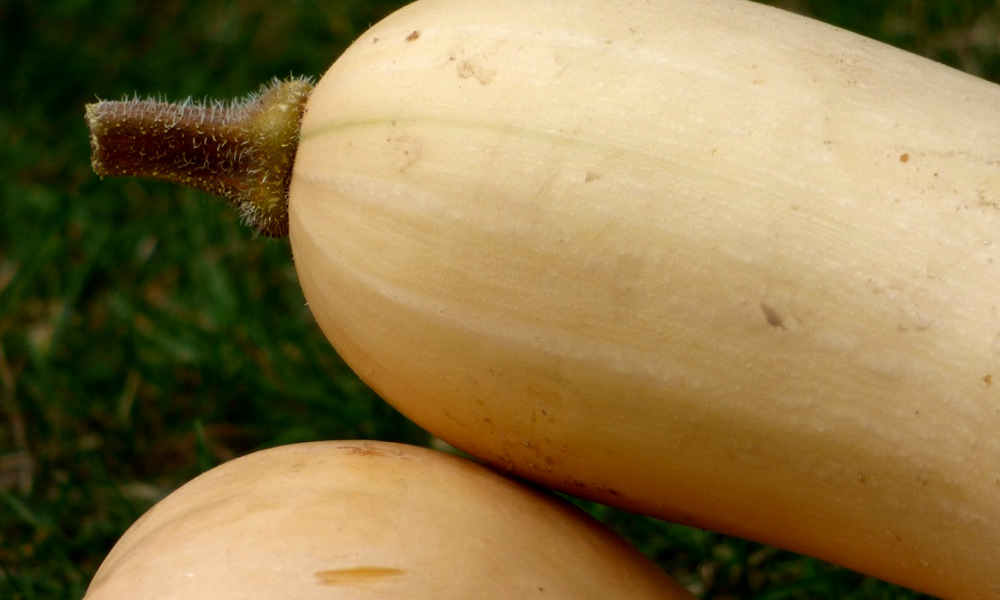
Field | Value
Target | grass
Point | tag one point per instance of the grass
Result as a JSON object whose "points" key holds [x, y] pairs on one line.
{"points": [[146, 336]]}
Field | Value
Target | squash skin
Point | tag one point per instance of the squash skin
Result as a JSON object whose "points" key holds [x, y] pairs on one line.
{"points": [[361, 519], [703, 260]]}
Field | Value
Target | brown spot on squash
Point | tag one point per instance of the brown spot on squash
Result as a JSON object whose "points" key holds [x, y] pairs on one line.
{"points": [[474, 69], [773, 318], [356, 575], [370, 450], [413, 36]]}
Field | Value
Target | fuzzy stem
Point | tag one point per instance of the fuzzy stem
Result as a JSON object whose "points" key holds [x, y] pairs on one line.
{"points": [[243, 152]]}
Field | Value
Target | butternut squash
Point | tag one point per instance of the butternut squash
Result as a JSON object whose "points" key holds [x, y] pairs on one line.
{"points": [[358, 519], [707, 261], [701, 259]]}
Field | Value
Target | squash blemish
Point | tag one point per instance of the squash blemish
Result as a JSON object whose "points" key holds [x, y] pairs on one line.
{"points": [[773, 318], [356, 575]]}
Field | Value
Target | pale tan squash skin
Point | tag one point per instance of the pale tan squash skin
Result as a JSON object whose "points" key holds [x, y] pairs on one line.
{"points": [[708, 261], [359, 519]]}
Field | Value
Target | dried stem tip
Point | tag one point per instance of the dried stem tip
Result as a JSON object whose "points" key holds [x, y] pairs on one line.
{"points": [[243, 152]]}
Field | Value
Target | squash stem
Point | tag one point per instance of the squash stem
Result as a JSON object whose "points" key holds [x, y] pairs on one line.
{"points": [[243, 151]]}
